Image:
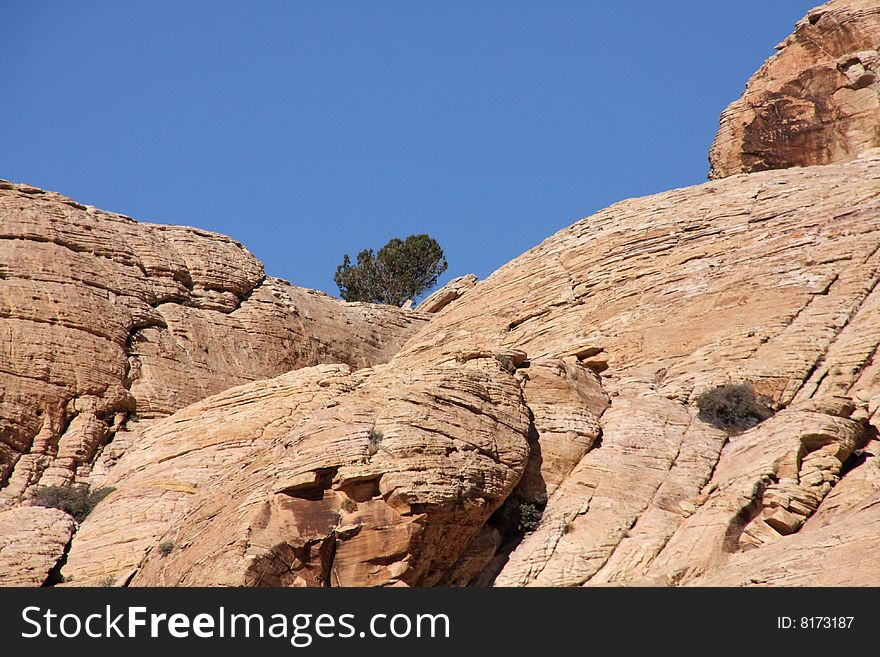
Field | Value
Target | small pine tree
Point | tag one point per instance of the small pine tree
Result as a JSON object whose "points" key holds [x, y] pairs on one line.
{"points": [[401, 270]]}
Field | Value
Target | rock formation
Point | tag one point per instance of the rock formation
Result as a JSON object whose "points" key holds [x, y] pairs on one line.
{"points": [[542, 429], [656, 294], [816, 101], [108, 324], [504, 395], [454, 289], [104, 318], [32, 542]]}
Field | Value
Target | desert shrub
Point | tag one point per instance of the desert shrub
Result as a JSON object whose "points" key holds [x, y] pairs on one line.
{"points": [[376, 437], [77, 500], [529, 517], [166, 548], [349, 505], [401, 270], [517, 516], [506, 363], [733, 407]]}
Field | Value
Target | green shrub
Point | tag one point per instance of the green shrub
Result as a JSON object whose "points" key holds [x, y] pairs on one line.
{"points": [[733, 407], [529, 517], [166, 548], [77, 500]]}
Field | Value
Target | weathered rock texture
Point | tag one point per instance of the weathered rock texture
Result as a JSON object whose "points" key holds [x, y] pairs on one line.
{"points": [[454, 289], [387, 485], [32, 541], [542, 428], [398, 475], [657, 294], [103, 317], [816, 101], [176, 456], [107, 323]]}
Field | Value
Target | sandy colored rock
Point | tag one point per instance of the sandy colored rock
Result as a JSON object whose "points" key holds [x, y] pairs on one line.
{"points": [[32, 540], [767, 279], [655, 303], [104, 320], [753, 278], [174, 458], [649, 459], [816, 101], [767, 469], [831, 548], [834, 548], [454, 289], [475, 558], [565, 383], [390, 485], [566, 400]]}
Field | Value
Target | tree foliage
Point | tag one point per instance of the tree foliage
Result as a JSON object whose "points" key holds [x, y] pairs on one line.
{"points": [[401, 270]]}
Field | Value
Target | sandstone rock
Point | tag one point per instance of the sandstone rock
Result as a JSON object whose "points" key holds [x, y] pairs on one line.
{"points": [[657, 289], [454, 289], [389, 485], [832, 548], [475, 559], [653, 500], [752, 472], [649, 459], [660, 288], [32, 540], [566, 380], [566, 401], [104, 320], [174, 458], [836, 554], [816, 101]]}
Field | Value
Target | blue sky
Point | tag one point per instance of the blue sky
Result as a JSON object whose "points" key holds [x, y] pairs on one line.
{"points": [[309, 129]]}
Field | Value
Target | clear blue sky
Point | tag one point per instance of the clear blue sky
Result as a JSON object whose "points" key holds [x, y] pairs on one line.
{"points": [[310, 129]]}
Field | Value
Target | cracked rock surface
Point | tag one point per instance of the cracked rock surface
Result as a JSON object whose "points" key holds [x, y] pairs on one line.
{"points": [[107, 324], [816, 101], [566, 381], [539, 428]]}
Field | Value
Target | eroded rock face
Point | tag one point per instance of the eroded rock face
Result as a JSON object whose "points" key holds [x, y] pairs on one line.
{"points": [[770, 279], [104, 320], [107, 324], [396, 474], [816, 101], [174, 458], [388, 485], [766, 483], [32, 541], [791, 472], [454, 289], [541, 429]]}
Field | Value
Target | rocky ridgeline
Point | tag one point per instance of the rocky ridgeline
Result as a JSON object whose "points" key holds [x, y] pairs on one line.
{"points": [[537, 428], [108, 324], [816, 101]]}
